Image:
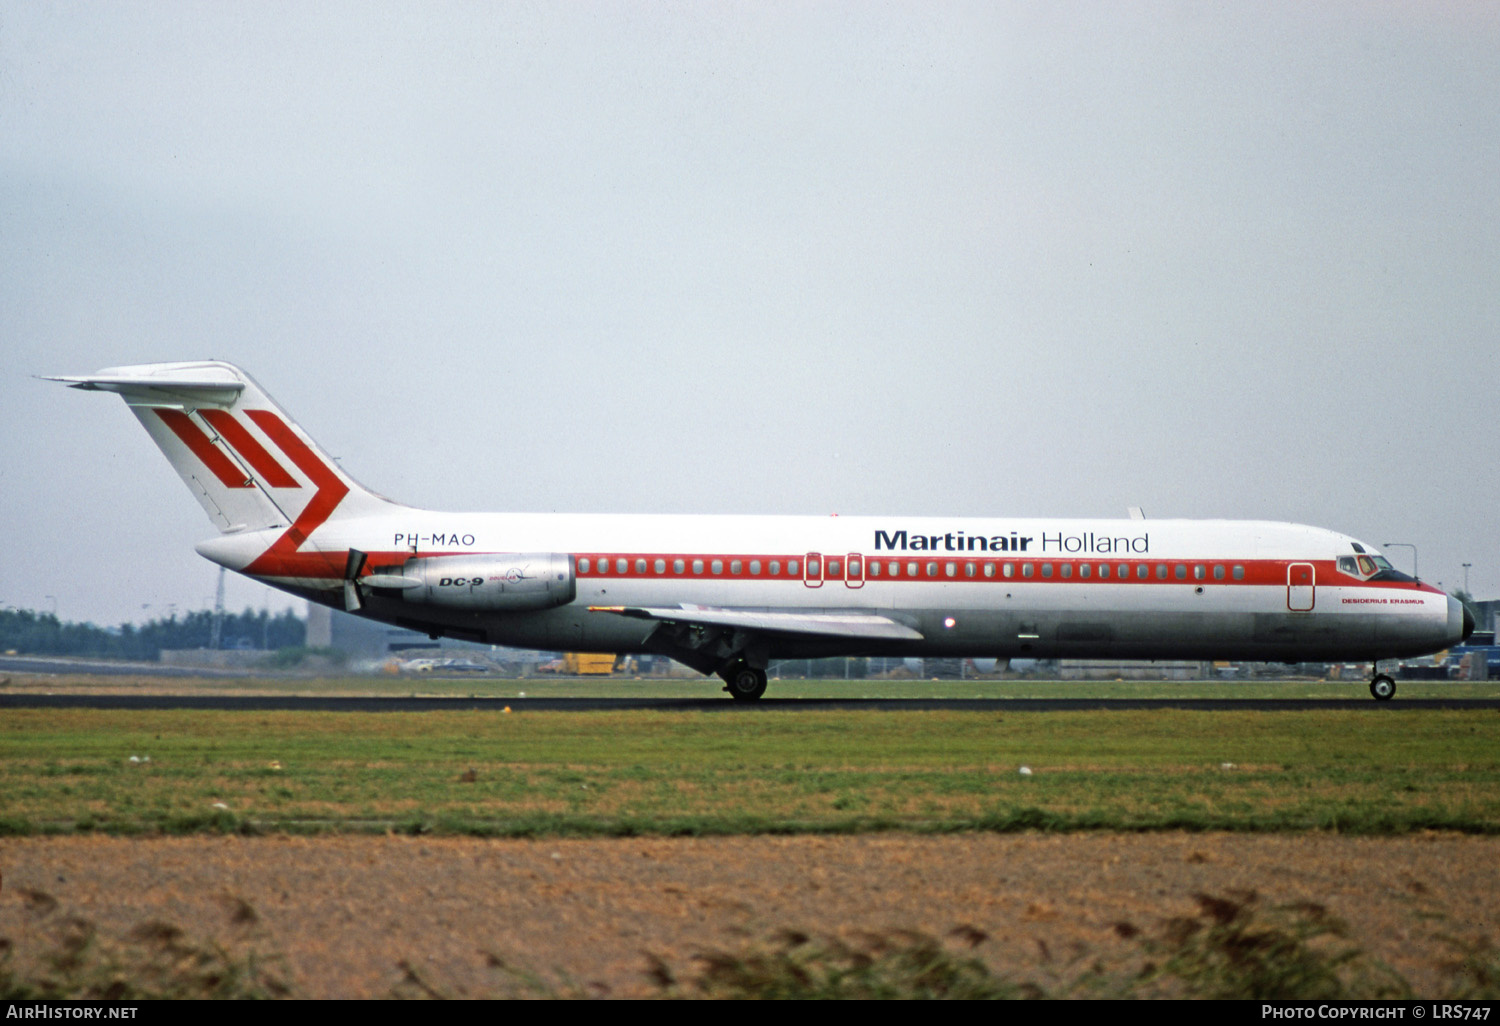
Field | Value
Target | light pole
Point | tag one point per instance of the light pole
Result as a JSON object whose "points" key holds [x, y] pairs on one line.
{"points": [[1408, 545], [1466, 577]]}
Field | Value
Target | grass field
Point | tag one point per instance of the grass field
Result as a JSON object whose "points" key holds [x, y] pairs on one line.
{"points": [[485, 686], [751, 771], [1125, 783]]}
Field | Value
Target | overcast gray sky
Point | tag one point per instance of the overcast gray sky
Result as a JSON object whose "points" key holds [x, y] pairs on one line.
{"points": [[1051, 259]]}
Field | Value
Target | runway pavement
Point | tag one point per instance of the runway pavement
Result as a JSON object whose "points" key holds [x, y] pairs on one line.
{"points": [[407, 704], [117, 668]]}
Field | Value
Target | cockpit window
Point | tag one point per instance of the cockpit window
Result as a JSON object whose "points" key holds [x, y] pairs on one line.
{"points": [[1370, 566], [1378, 568]]}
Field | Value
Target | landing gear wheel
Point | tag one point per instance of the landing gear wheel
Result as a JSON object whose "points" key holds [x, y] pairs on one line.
{"points": [[1382, 687], [744, 683]]}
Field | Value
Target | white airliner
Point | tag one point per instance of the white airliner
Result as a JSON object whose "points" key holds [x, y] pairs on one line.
{"points": [[728, 594]]}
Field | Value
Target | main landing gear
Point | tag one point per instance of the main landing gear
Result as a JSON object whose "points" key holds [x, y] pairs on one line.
{"points": [[745, 683], [1382, 687]]}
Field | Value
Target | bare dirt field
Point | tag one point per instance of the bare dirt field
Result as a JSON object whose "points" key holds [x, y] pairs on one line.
{"points": [[366, 916]]}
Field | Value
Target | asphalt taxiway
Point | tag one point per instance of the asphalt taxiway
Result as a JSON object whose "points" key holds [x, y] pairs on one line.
{"points": [[294, 703]]}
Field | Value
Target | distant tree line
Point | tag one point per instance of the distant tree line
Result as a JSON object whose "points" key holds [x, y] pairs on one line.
{"points": [[32, 633]]}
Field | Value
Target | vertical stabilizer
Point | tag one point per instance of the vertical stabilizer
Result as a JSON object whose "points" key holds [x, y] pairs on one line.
{"points": [[247, 463]]}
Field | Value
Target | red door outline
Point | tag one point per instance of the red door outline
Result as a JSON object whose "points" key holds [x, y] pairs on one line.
{"points": [[812, 570], [854, 570], [1301, 587]]}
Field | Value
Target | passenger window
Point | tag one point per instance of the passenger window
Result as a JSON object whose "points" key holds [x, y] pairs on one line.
{"points": [[854, 568], [755, 568], [1103, 571], [932, 570], [1067, 569], [1218, 573], [1028, 569], [1010, 570], [736, 567], [1180, 572], [697, 566], [1199, 573], [661, 566], [678, 566], [1142, 571], [894, 568], [1084, 570], [1046, 569], [911, 569], [622, 566], [775, 568], [792, 567], [1239, 573], [1161, 571], [834, 568], [875, 568], [814, 567], [640, 566], [718, 566], [583, 565], [951, 569]]}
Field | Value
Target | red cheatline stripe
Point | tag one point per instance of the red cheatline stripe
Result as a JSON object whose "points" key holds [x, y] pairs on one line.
{"points": [[244, 443], [212, 457], [1258, 572]]}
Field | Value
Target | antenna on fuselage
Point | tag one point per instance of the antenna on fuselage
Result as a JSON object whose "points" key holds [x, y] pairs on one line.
{"points": [[1135, 513]]}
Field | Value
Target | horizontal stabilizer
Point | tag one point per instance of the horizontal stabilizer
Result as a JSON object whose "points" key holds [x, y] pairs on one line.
{"points": [[182, 390]]}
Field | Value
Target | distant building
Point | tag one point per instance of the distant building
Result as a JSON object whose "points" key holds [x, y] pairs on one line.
{"points": [[1487, 615], [359, 638]]}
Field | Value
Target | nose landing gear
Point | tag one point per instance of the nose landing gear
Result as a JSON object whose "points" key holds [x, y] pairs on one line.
{"points": [[1382, 687]]}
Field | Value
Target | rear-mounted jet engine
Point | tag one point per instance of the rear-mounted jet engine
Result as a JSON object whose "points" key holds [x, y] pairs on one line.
{"points": [[526, 580]]}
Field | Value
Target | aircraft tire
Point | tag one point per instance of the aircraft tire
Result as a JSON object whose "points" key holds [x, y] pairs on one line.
{"points": [[1383, 688], [745, 683]]}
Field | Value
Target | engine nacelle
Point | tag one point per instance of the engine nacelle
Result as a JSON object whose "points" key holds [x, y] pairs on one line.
{"points": [[512, 581]]}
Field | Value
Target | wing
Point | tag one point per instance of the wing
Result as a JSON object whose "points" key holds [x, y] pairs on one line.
{"points": [[712, 639], [861, 626]]}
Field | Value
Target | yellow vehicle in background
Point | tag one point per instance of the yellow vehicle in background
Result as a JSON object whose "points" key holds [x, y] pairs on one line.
{"points": [[581, 664]]}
